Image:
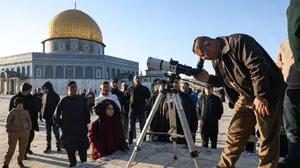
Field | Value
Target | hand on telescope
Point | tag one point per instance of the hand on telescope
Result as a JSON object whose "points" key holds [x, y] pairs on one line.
{"points": [[203, 76]]}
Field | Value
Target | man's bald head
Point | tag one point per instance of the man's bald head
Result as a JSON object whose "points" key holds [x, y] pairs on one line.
{"points": [[199, 42], [206, 48]]}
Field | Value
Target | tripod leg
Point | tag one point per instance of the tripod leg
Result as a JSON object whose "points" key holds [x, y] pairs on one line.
{"points": [[143, 133], [186, 130], [172, 120]]}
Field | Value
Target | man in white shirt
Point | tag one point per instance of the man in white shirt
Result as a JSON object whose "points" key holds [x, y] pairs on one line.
{"points": [[106, 94]]}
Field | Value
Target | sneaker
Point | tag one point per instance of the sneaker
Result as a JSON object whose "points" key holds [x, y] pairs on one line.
{"points": [[47, 149], [20, 164], [29, 152], [58, 150], [5, 166]]}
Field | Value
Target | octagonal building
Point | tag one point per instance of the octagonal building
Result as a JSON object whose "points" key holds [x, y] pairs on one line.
{"points": [[73, 49]]}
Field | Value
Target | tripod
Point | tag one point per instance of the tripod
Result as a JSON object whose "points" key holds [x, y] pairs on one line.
{"points": [[172, 132]]}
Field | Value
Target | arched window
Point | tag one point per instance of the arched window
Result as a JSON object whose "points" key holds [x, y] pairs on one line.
{"points": [[99, 72], [38, 71], [89, 73], [28, 71], [113, 73], [49, 71], [107, 73], [18, 71], [69, 72], [23, 71], [3, 75], [79, 73], [59, 72], [118, 73]]}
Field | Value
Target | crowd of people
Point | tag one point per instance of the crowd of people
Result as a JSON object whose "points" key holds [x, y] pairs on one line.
{"points": [[114, 129]]}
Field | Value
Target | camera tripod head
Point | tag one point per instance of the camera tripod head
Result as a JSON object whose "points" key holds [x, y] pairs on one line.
{"points": [[170, 78]]}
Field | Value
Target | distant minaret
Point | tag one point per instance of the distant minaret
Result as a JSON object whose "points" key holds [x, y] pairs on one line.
{"points": [[75, 4]]}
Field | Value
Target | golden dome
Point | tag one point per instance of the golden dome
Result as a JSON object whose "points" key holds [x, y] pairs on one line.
{"points": [[73, 24]]}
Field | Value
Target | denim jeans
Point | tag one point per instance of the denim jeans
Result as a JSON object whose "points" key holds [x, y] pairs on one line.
{"points": [[291, 121], [49, 125], [133, 115]]}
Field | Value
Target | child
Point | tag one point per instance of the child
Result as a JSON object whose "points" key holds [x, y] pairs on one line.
{"points": [[106, 133], [18, 125]]}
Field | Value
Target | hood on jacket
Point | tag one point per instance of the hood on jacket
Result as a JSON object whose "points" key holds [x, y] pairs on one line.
{"points": [[49, 86]]}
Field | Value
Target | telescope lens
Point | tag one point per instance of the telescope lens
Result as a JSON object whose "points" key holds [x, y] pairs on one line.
{"points": [[158, 64]]}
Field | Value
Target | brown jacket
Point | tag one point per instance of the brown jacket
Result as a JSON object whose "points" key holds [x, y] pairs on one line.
{"points": [[248, 67], [18, 121]]}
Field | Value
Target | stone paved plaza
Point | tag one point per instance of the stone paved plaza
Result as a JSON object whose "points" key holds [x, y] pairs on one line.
{"points": [[152, 155]]}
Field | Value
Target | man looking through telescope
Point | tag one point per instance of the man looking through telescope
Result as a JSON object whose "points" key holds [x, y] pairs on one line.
{"points": [[255, 89]]}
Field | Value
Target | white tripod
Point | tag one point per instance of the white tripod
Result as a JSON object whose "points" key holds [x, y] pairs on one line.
{"points": [[184, 123]]}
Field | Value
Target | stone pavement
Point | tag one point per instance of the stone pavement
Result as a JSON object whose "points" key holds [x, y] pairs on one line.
{"points": [[151, 155]]}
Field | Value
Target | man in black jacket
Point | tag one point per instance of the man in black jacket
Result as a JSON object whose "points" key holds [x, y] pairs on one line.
{"points": [[49, 103], [115, 90], [29, 105], [139, 94], [209, 111], [38, 96], [73, 116]]}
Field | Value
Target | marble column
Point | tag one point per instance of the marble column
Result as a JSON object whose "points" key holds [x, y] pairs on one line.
{"points": [[64, 75], [26, 72], [84, 74], [17, 85], [6, 83], [44, 71], [54, 71], [74, 73], [9, 86], [94, 73]]}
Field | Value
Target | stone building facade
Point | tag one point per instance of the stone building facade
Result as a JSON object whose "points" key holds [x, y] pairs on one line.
{"points": [[72, 50]]}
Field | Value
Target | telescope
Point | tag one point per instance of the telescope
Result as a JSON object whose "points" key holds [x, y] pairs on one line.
{"points": [[174, 66]]}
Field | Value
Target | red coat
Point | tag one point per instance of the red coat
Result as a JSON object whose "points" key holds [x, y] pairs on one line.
{"points": [[106, 136]]}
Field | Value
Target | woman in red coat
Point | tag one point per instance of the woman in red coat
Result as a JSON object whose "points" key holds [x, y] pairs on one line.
{"points": [[106, 133]]}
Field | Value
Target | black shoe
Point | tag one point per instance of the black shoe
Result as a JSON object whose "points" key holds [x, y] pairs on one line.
{"points": [[205, 146], [20, 164], [47, 149], [58, 150], [29, 152], [5, 166]]}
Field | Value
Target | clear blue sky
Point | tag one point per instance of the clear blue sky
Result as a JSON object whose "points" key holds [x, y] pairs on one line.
{"points": [[137, 29]]}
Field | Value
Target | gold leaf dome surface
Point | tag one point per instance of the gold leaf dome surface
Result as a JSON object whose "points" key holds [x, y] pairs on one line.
{"points": [[73, 24]]}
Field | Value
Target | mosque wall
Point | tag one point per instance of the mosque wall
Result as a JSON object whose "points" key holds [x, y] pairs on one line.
{"points": [[60, 85]]}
